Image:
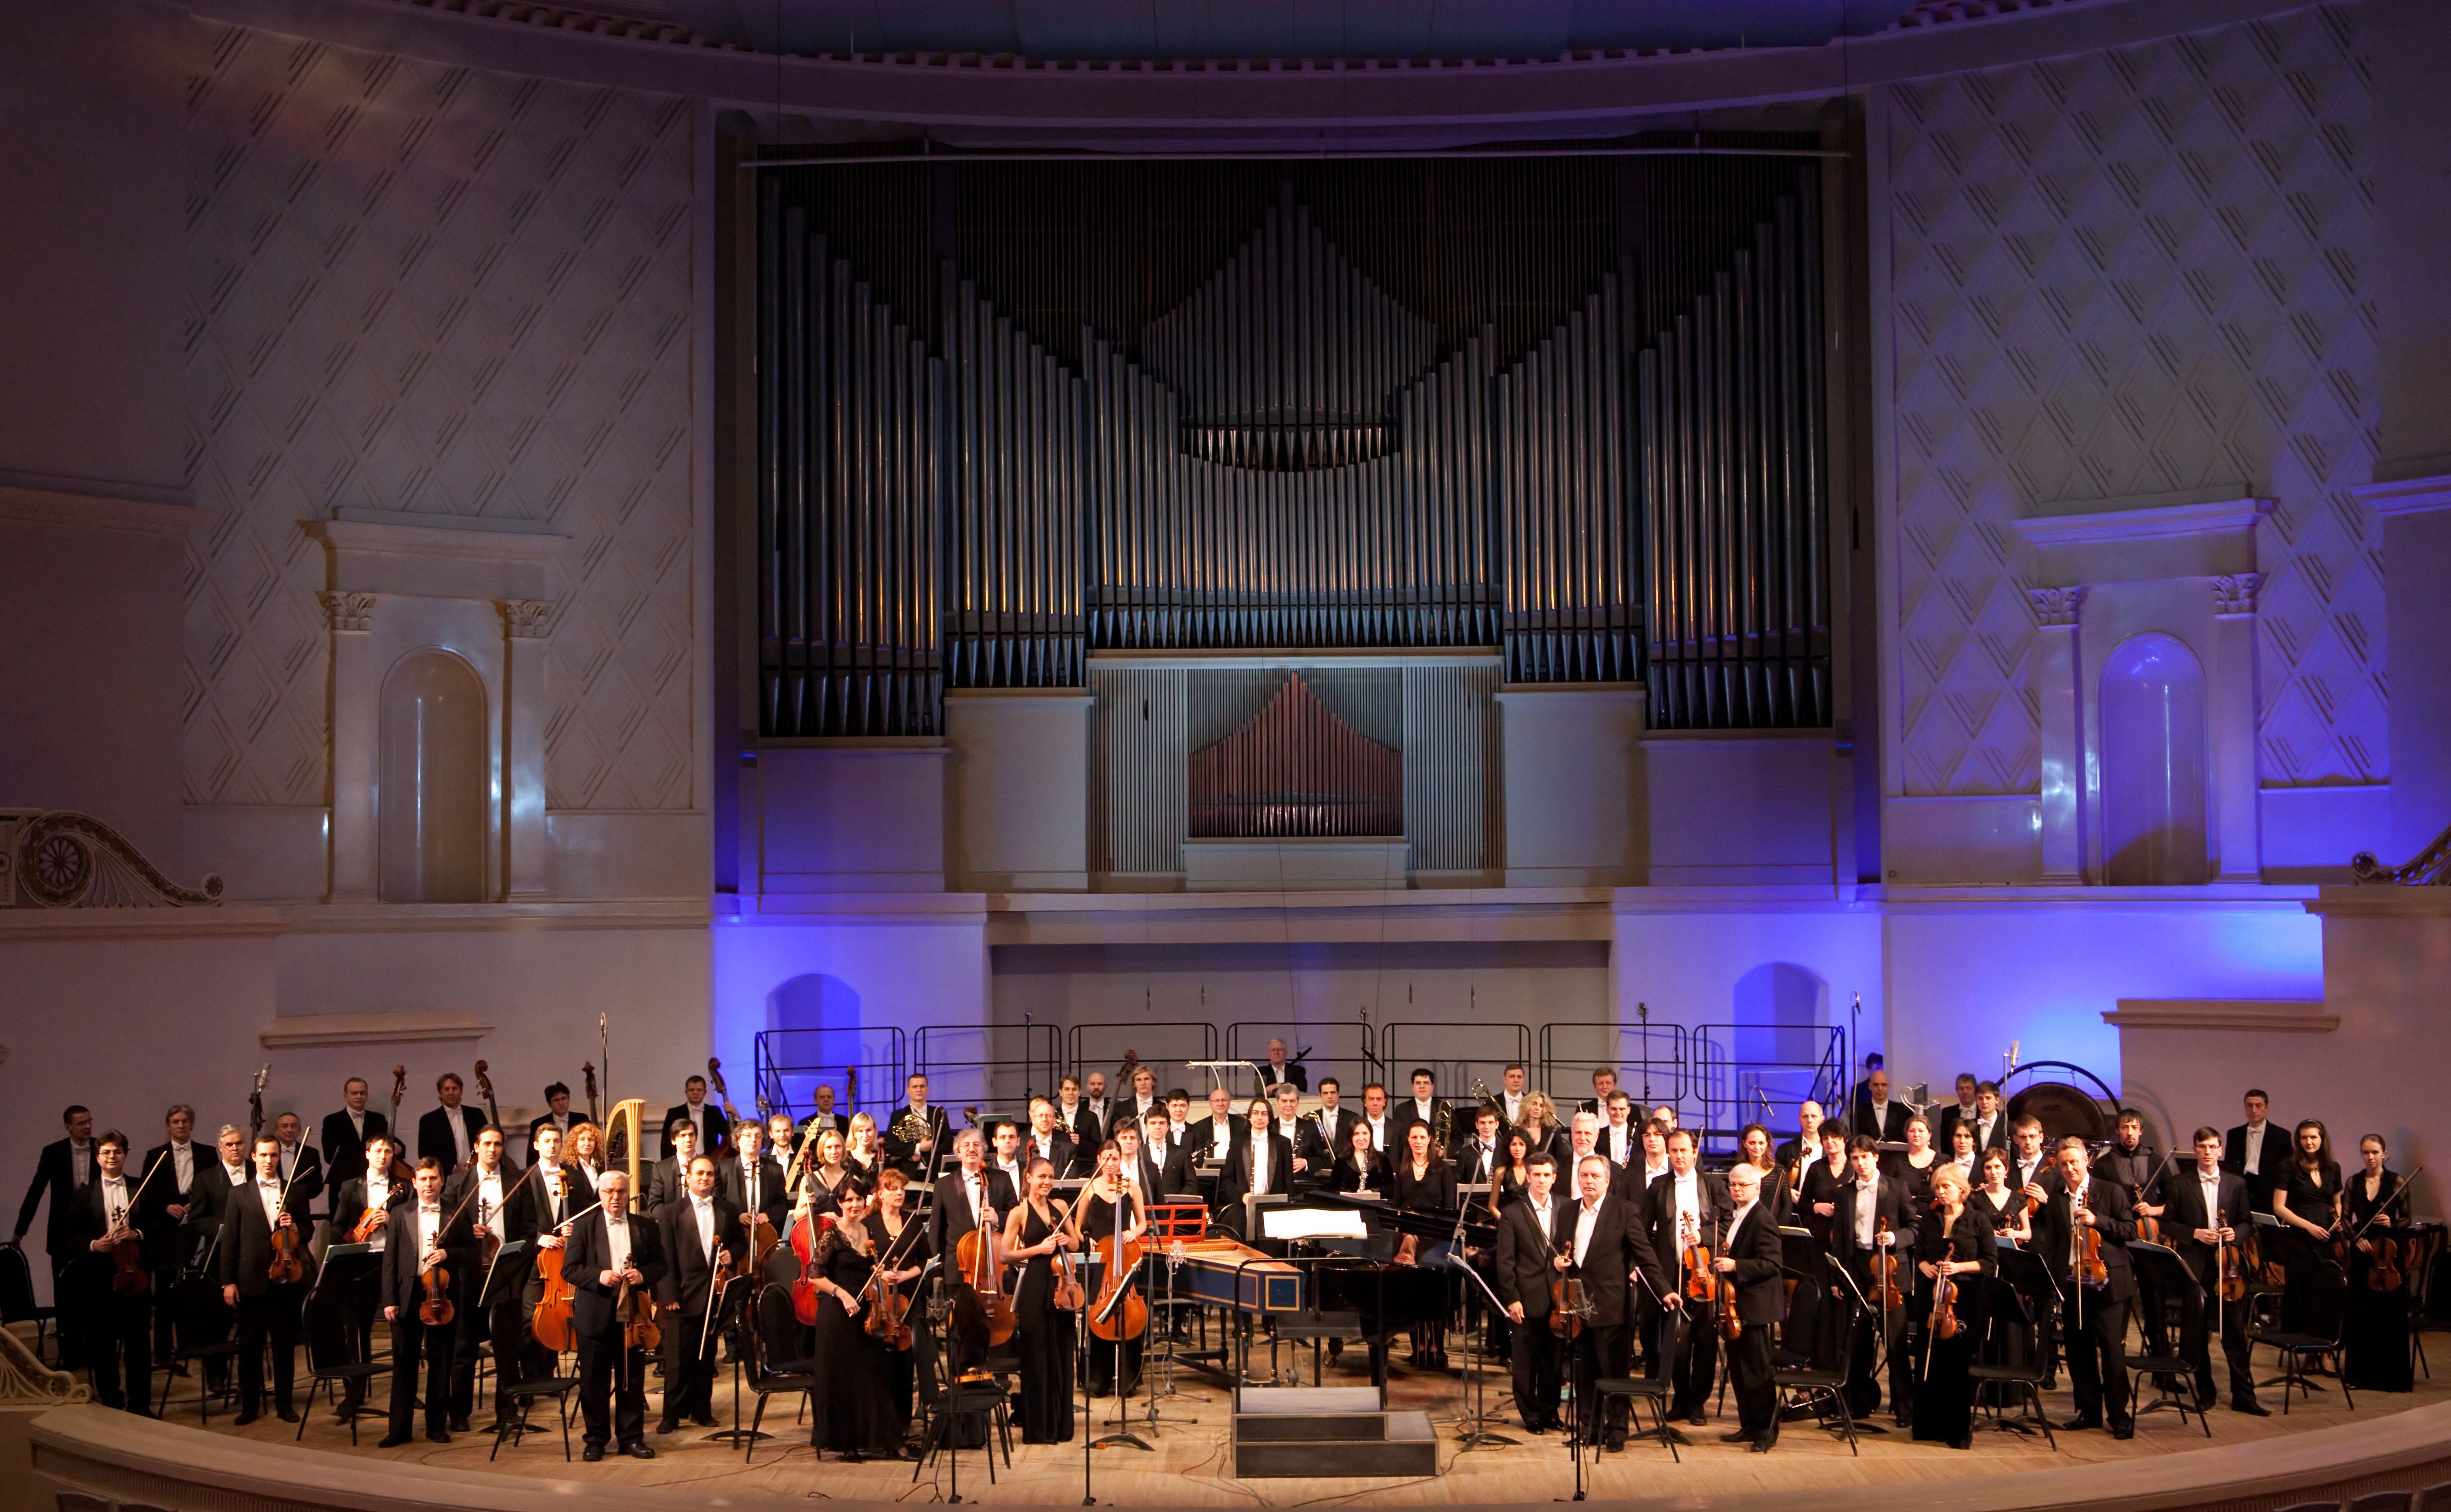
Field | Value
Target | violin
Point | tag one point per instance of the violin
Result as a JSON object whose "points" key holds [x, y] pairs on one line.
{"points": [[636, 1310], [980, 1254], [1567, 1305], [2385, 1273], [128, 1277], [1885, 1269], [288, 1263], [1944, 1297], [2147, 1227], [369, 1223], [435, 1308], [2233, 1280], [889, 1309], [2091, 1270]]}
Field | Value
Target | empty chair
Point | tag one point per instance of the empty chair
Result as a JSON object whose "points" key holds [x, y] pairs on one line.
{"points": [[2384, 1502]]}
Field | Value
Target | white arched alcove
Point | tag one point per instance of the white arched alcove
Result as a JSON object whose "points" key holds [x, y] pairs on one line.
{"points": [[433, 785], [2153, 764]]}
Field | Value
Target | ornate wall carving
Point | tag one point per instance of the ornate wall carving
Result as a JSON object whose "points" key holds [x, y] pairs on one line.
{"points": [[2133, 273], [434, 291]]}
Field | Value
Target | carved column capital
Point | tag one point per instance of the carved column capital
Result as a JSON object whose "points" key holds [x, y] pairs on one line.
{"points": [[2055, 606], [525, 619], [348, 612], [2235, 593]]}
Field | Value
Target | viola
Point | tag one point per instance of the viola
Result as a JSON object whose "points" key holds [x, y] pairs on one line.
{"points": [[1944, 1297], [1065, 1295], [1884, 1269], [369, 1223], [435, 1309], [551, 1323], [889, 1309], [2384, 1274], [289, 1254], [2147, 1227], [636, 1310], [128, 1274], [2233, 1272]]}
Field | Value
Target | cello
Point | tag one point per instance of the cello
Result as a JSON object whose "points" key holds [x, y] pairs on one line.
{"points": [[550, 1321], [980, 1255], [1120, 1312]]}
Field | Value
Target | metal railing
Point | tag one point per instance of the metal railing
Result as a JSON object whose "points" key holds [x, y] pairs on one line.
{"points": [[1247, 1039], [1163, 1045], [1731, 1093], [1465, 1051], [1649, 1059], [965, 1058], [788, 1064]]}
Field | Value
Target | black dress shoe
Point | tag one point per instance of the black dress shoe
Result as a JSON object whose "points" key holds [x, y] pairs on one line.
{"points": [[438, 1436], [1695, 1421], [289, 1415], [638, 1451], [703, 1420], [1764, 1444], [2251, 1408], [592, 1453], [459, 1424], [1740, 1436], [393, 1440], [1613, 1441], [2122, 1430], [243, 1418], [666, 1425], [2080, 1423]]}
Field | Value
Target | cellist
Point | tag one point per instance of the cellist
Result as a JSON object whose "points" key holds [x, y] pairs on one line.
{"points": [[426, 1235], [1108, 1210], [537, 1211]]}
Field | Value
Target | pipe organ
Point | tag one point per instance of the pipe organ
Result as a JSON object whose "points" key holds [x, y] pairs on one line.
{"points": [[1016, 421]]}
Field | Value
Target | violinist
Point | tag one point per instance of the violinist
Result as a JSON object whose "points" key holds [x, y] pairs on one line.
{"points": [[1108, 1211], [823, 1174], [1954, 1237], [2204, 1208], [2128, 1161], [2375, 1337], [1817, 1199], [1962, 1153], [900, 1240], [856, 1415], [1796, 1157], [612, 1259], [301, 1169], [538, 1209], [701, 1239], [1868, 1219], [863, 1152], [1688, 1207], [1036, 1233], [267, 1308], [1751, 1256], [2001, 1202], [114, 1324], [367, 1203], [751, 1181], [2306, 1197], [2085, 1213], [427, 1236], [1476, 1162], [1913, 1168], [2031, 1169], [482, 1187], [1535, 1235], [1607, 1251]]}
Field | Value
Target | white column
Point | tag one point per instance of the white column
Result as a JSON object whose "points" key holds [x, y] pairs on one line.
{"points": [[527, 854], [2063, 733], [357, 728], [2235, 838]]}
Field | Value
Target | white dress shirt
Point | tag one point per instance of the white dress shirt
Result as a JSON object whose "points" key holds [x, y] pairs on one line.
{"points": [[183, 1167], [1378, 1132], [749, 1185], [1687, 1194], [2254, 1155], [1868, 1197], [2212, 1197], [429, 1224], [459, 1135], [378, 1197], [1259, 1163], [81, 1162], [269, 1191], [617, 1247], [703, 1208], [1586, 1220], [114, 1201]]}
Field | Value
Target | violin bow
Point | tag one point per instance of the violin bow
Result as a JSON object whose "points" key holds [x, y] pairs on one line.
{"points": [[138, 1194], [2384, 1207]]}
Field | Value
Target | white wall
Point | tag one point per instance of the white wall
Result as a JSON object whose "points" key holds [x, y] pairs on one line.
{"points": [[1020, 790]]}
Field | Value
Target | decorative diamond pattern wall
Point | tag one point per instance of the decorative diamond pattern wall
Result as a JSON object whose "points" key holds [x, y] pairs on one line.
{"points": [[436, 289], [2135, 272]]}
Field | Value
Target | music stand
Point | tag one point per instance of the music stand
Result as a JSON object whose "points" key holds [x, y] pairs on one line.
{"points": [[1864, 1312], [1476, 1420], [2025, 1272], [722, 1302], [1164, 1226], [361, 1268], [2160, 1267]]}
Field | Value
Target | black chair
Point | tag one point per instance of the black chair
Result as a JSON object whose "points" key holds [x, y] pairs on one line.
{"points": [[1655, 1390], [17, 1303], [519, 1396], [780, 1361], [332, 1351], [81, 1501], [2435, 1498], [2384, 1502], [2313, 1506], [202, 1327], [2008, 1331], [2427, 1247], [1821, 1387], [985, 1401], [2322, 1308], [2174, 1284]]}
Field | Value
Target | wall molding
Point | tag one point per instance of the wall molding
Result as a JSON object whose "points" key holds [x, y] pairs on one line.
{"points": [[2224, 1014], [316, 1031], [141, 517], [2407, 495]]}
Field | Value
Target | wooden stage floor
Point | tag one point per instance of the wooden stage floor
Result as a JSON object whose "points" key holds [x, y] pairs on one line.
{"points": [[1188, 1466]]}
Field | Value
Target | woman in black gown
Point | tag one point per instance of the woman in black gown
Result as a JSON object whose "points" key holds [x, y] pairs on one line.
{"points": [[1108, 1210], [1506, 1183], [1954, 1237], [1036, 1233], [1754, 1148], [856, 1415], [2308, 1203], [900, 1242], [2375, 1337], [1424, 1183], [1362, 1169], [1915, 1167]]}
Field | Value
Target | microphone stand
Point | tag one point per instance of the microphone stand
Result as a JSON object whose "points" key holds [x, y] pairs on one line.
{"points": [[735, 1434], [1475, 1420]]}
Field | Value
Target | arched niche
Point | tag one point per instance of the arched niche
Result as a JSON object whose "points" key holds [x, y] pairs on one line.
{"points": [[434, 781], [2154, 766]]}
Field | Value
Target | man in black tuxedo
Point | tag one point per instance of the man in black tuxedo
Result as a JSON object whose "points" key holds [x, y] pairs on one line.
{"points": [[423, 1234], [1422, 1108], [1860, 1099], [448, 1133], [1335, 1121], [546, 1199], [1077, 1118], [916, 1134], [712, 1133], [1280, 1072], [2093, 1318], [2031, 1168], [346, 1133], [486, 1296], [666, 1177], [1879, 1117], [64, 1166], [2257, 1149], [1752, 1259], [377, 1188], [1479, 1158], [2203, 1207], [1534, 1239], [701, 1239], [267, 1308], [169, 1201], [751, 1181], [1687, 1202], [1869, 1215], [1962, 1111], [610, 1248], [967, 1196], [1262, 1165], [1606, 1246], [116, 1327], [1312, 1160], [557, 1115], [1047, 1140], [1213, 1137], [1167, 1159], [301, 1167], [1990, 1123]]}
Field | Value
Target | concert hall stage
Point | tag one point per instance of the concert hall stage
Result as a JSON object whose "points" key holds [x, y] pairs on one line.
{"points": [[2320, 1449]]}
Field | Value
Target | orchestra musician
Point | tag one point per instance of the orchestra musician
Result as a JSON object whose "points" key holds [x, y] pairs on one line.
{"points": [[1080, 1122], [428, 1235], [783, 1139], [863, 1150], [1476, 1162], [448, 1132], [1952, 1239], [1817, 1189], [1163, 1159], [2204, 1208], [1913, 1168], [1541, 1129], [1048, 1141], [301, 1167], [168, 1210], [1280, 1072], [1607, 1252], [751, 1181], [1753, 1148], [2306, 1197], [1960, 1111], [916, 1135], [1511, 1082], [822, 1176], [1361, 1170], [612, 1255], [1262, 1164], [1004, 1152], [1535, 1237], [1993, 1193], [1145, 1095], [666, 1177], [537, 1211], [856, 1416], [484, 1300], [1422, 1107], [2258, 1150], [824, 1117], [1619, 1137], [64, 1166], [346, 1133], [1214, 1137], [557, 1115], [1308, 1149], [373, 1198], [1035, 1235], [1797, 1156], [1108, 1210], [2031, 1170], [889, 1225], [582, 1155], [1750, 1257], [1335, 1121], [268, 1310], [1867, 1216], [701, 1239], [1687, 1206], [1424, 1183], [116, 1327], [1603, 1088], [2094, 1315], [707, 1124], [2375, 1331]]}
